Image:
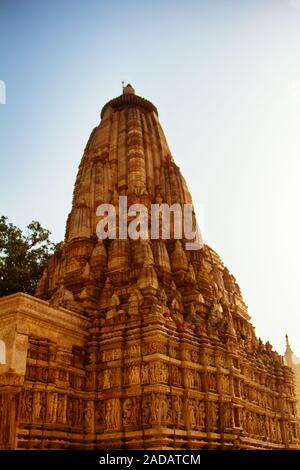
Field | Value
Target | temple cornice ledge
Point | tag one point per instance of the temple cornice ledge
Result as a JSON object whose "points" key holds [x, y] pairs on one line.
{"points": [[25, 308], [129, 100]]}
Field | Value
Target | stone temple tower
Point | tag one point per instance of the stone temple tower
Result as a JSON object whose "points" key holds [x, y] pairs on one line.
{"points": [[133, 343]]}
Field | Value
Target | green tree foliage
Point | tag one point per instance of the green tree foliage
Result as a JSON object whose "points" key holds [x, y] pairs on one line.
{"points": [[23, 256]]}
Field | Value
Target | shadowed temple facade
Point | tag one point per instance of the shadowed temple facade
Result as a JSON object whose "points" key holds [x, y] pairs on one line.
{"points": [[131, 343]]}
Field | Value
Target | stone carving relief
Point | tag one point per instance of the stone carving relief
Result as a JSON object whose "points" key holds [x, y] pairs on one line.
{"points": [[131, 411], [112, 414]]}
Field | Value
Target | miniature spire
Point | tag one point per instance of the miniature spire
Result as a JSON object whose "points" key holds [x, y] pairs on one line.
{"points": [[288, 349]]}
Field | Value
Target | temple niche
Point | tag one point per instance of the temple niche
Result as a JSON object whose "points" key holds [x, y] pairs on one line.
{"points": [[131, 343]]}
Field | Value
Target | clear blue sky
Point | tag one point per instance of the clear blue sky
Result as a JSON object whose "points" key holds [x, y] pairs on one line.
{"points": [[225, 76]]}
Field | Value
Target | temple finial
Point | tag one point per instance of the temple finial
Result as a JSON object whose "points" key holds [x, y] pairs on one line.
{"points": [[128, 90]]}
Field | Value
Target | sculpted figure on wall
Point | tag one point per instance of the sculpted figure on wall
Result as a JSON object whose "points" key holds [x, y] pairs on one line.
{"points": [[26, 406], [146, 409], [77, 412], [212, 416], [112, 413], [134, 374], [159, 409], [132, 350], [69, 412], [144, 373], [190, 380], [155, 409], [177, 410], [106, 378], [163, 409], [51, 406], [197, 380], [131, 411], [37, 406], [200, 415], [159, 372], [61, 416], [99, 415], [175, 375], [89, 417], [225, 416], [191, 413]]}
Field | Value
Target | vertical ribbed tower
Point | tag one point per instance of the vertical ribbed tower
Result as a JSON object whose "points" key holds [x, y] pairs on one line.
{"points": [[126, 155], [170, 359]]}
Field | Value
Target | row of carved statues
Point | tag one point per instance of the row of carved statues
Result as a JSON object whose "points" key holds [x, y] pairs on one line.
{"points": [[160, 372], [113, 414], [204, 355]]}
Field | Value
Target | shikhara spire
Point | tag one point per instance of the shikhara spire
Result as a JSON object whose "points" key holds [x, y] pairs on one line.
{"points": [[126, 155]]}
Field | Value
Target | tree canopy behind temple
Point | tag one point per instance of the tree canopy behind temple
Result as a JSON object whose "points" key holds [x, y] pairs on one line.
{"points": [[23, 256]]}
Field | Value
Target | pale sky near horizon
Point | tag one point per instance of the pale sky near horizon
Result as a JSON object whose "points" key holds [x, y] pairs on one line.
{"points": [[225, 76]]}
